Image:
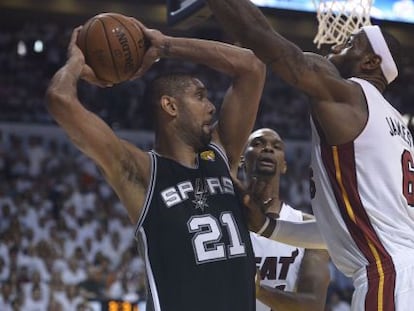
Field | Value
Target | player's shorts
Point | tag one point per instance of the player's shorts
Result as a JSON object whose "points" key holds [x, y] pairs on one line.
{"points": [[392, 292]]}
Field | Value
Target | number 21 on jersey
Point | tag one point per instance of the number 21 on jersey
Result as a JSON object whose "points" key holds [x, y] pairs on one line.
{"points": [[208, 234]]}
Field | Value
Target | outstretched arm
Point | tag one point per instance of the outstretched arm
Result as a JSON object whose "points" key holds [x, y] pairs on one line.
{"points": [[303, 234], [240, 104], [337, 102], [312, 287], [247, 24], [124, 166]]}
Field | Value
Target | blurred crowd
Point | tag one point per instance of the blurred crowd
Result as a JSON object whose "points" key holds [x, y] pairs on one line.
{"points": [[65, 238]]}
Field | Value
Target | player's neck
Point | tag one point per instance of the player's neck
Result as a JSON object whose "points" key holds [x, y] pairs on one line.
{"points": [[378, 82], [177, 150]]}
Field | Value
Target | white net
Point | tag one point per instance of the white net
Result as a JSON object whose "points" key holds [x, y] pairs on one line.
{"points": [[337, 19]]}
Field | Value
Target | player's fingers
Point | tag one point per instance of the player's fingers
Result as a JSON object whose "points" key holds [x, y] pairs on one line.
{"points": [[246, 200], [150, 57], [261, 190], [139, 24], [74, 35], [252, 186], [240, 188], [89, 76]]}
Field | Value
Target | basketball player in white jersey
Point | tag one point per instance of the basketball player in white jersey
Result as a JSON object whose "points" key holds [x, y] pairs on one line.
{"points": [[362, 152], [194, 239], [291, 278]]}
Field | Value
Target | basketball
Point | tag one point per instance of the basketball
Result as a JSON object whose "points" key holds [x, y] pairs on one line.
{"points": [[113, 46]]}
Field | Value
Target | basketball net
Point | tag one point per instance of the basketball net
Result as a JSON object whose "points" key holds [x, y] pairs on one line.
{"points": [[337, 19]]}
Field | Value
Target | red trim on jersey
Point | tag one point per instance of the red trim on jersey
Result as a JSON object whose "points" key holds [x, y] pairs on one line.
{"points": [[339, 163]]}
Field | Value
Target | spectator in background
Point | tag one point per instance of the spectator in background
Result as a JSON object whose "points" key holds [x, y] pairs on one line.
{"points": [[6, 296]]}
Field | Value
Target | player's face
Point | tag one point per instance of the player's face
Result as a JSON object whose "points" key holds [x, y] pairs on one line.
{"points": [[346, 56], [196, 118], [265, 154]]}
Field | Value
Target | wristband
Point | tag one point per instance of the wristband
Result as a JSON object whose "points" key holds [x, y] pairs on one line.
{"points": [[264, 227]]}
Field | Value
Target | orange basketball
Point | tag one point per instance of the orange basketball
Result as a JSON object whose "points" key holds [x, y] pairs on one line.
{"points": [[113, 46]]}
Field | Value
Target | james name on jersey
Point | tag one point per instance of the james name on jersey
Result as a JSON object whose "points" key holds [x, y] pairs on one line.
{"points": [[202, 187], [399, 129]]}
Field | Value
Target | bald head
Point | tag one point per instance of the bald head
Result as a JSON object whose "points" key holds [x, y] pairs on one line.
{"points": [[260, 133]]}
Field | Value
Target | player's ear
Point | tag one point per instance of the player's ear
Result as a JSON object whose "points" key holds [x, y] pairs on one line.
{"points": [[371, 62], [169, 105]]}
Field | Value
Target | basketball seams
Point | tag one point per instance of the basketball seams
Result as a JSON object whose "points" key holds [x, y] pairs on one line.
{"points": [[110, 48], [106, 41], [132, 37]]}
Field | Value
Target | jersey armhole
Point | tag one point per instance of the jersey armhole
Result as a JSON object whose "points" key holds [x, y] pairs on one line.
{"points": [[150, 191], [221, 152]]}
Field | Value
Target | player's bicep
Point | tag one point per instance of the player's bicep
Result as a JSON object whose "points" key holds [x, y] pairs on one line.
{"points": [[321, 80], [305, 71]]}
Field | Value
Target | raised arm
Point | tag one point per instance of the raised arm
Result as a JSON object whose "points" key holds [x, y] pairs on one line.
{"points": [[247, 24], [240, 104], [125, 167], [313, 281], [337, 102]]}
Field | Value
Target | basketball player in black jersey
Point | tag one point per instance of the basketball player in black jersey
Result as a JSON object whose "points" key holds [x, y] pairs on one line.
{"points": [[193, 239]]}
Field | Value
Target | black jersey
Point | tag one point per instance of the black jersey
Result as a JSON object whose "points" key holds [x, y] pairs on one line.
{"points": [[193, 238]]}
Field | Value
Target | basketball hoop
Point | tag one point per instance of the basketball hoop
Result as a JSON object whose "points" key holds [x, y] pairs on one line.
{"points": [[337, 19]]}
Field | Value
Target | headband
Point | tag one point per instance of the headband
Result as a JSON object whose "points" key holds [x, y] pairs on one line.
{"points": [[380, 47]]}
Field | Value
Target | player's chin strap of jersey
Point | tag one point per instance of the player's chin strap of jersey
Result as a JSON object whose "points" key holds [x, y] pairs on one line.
{"points": [[304, 234], [380, 47]]}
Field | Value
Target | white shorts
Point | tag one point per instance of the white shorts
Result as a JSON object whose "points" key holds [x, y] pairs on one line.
{"points": [[392, 292]]}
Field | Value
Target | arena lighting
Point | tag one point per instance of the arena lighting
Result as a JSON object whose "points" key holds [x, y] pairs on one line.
{"points": [[21, 48], [38, 46]]}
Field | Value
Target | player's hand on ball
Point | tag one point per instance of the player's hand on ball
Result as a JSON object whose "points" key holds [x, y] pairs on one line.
{"points": [[89, 76], [156, 41], [75, 54]]}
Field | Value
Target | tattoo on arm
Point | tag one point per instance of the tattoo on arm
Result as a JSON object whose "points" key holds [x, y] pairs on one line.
{"points": [[292, 65], [296, 66], [131, 170]]}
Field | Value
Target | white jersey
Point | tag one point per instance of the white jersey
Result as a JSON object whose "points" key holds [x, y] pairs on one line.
{"points": [[279, 263], [364, 199]]}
